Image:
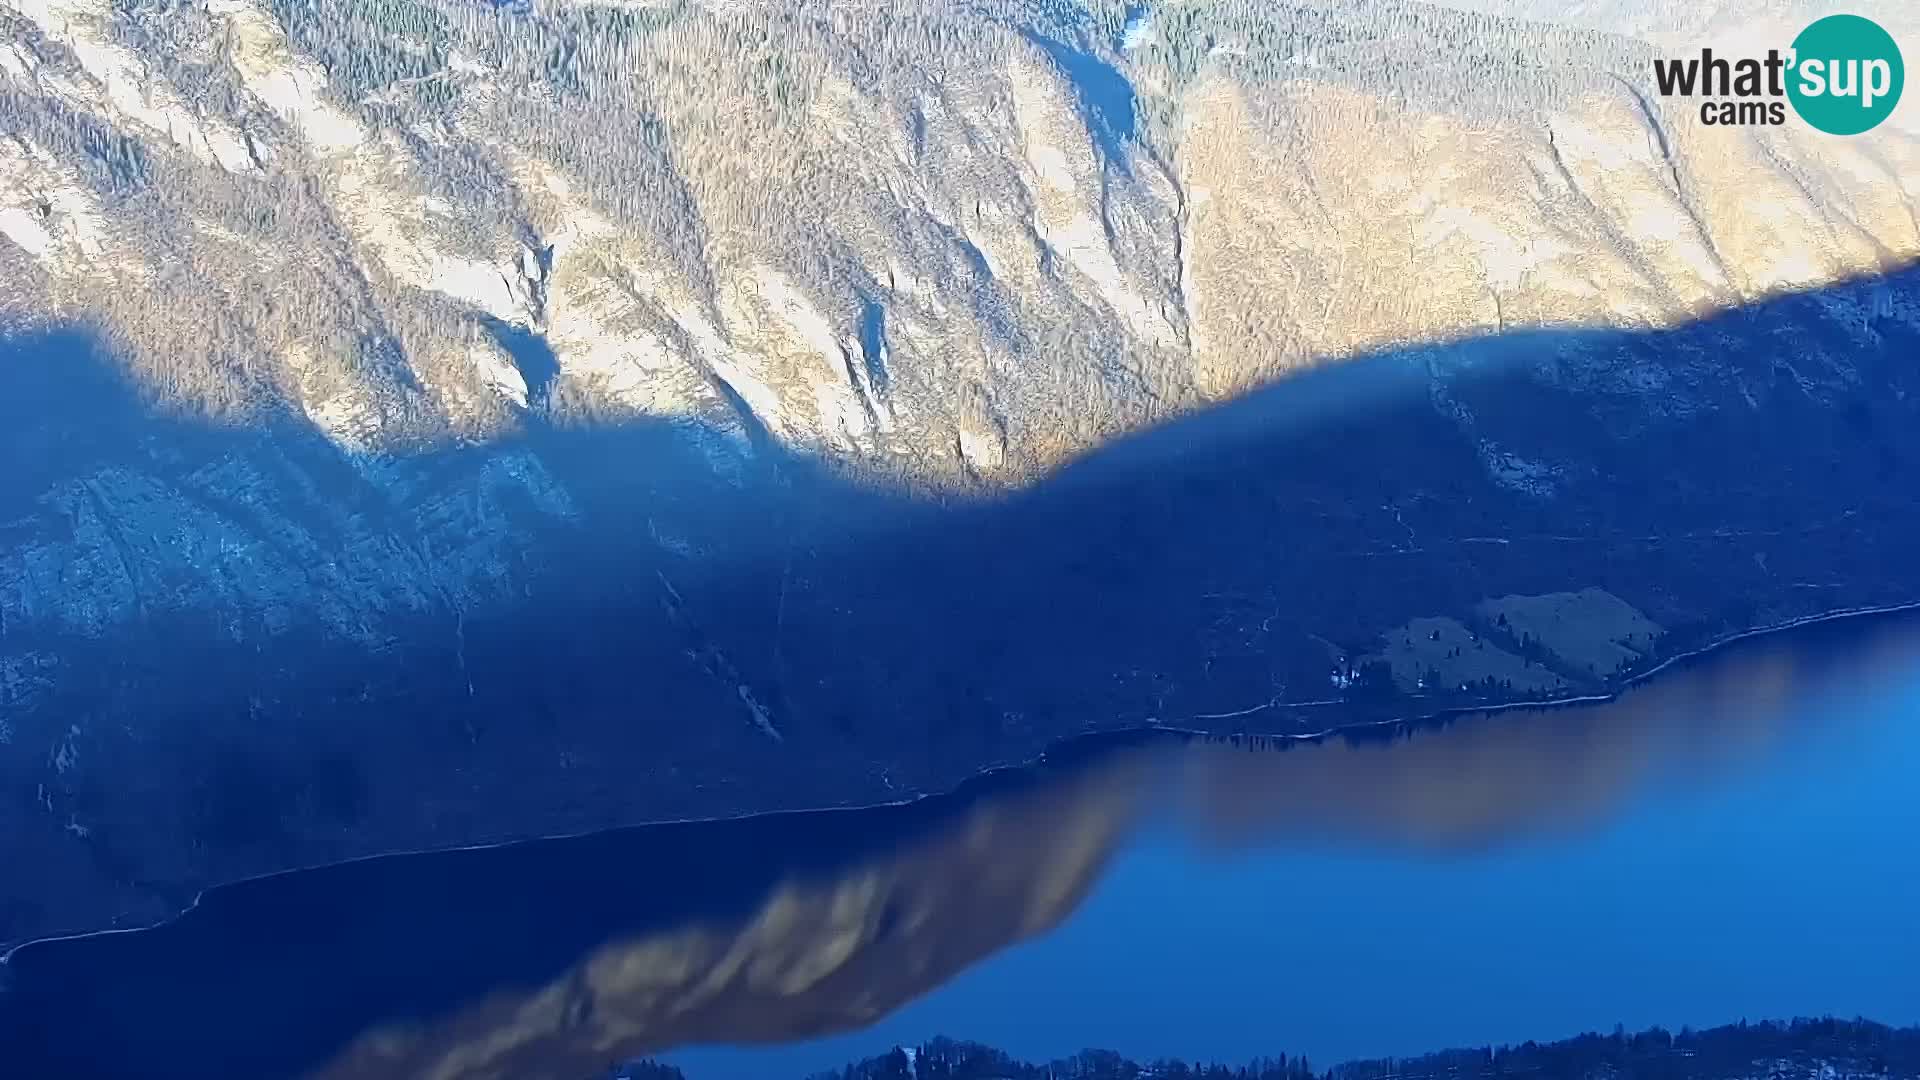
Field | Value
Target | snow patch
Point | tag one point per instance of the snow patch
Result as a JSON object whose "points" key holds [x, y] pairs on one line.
{"points": [[399, 232], [66, 752], [985, 452], [523, 472], [128, 87], [334, 402], [1049, 163], [15, 63], [497, 371], [843, 417], [45, 213], [24, 229], [86, 226], [483, 285], [744, 305], [792, 307], [462, 64], [1063, 208], [290, 86], [844, 397], [606, 334], [759, 397], [1512, 471]]}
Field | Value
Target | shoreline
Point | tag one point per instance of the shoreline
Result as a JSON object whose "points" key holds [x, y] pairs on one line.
{"points": [[1060, 751], [1633, 682]]}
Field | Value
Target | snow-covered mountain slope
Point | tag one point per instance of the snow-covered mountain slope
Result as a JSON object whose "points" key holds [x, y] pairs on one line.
{"points": [[339, 332], [928, 240]]}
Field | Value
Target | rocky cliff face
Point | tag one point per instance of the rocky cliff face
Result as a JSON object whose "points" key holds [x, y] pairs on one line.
{"points": [[381, 375]]}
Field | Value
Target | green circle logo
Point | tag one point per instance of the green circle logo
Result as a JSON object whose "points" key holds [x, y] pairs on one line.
{"points": [[1846, 75]]}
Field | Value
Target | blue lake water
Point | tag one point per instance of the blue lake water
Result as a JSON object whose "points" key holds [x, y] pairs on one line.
{"points": [[1735, 839], [1763, 862]]}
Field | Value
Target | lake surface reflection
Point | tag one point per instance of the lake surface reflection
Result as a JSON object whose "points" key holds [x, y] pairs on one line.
{"points": [[1733, 839]]}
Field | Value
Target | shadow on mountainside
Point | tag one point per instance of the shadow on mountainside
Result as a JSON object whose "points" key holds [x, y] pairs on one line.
{"points": [[701, 642], [782, 927]]}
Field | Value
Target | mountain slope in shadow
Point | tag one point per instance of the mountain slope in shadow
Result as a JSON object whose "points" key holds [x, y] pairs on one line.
{"points": [[1534, 515], [556, 957]]}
